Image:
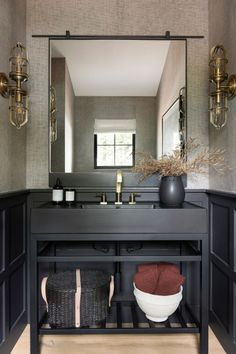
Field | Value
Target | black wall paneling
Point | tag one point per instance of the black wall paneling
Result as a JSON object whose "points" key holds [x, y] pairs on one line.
{"points": [[220, 226], [222, 217], [222, 208], [16, 231], [15, 207], [220, 291], [17, 305], [2, 326], [13, 268], [2, 250]]}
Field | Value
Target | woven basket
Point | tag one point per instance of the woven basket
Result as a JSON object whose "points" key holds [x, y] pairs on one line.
{"points": [[94, 301]]}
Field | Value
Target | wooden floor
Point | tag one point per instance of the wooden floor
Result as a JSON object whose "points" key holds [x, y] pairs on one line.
{"points": [[118, 344]]}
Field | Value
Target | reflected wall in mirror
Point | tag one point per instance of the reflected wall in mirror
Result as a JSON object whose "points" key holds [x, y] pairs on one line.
{"points": [[110, 99]]}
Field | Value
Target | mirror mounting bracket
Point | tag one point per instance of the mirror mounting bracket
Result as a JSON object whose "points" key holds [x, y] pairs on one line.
{"points": [[167, 34], [67, 35]]}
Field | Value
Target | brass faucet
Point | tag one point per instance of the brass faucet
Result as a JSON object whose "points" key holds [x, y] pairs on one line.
{"points": [[118, 187]]}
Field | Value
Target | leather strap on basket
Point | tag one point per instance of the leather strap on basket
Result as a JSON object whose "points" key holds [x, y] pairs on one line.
{"points": [[43, 290], [77, 298], [112, 287]]}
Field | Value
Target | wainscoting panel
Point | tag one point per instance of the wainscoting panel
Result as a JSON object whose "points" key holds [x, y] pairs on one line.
{"points": [[17, 304], [2, 237], [13, 265], [2, 315], [221, 239], [222, 208], [234, 311], [220, 295], [17, 231], [234, 244]]}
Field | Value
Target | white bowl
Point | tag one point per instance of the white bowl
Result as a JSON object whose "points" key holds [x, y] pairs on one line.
{"points": [[157, 308]]}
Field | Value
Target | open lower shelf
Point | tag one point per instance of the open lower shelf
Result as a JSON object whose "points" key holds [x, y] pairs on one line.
{"points": [[126, 317], [170, 251]]}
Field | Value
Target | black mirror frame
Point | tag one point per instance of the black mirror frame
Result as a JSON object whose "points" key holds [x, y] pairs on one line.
{"points": [[100, 179]]}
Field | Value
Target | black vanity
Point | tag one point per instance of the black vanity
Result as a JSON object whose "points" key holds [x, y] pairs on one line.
{"points": [[118, 238]]}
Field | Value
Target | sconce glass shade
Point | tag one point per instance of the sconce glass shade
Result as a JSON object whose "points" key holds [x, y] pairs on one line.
{"points": [[18, 108], [19, 64], [218, 109], [217, 64]]}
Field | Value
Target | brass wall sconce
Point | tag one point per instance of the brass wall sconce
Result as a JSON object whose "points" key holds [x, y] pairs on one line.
{"points": [[17, 95], [53, 118], [221, 93]]}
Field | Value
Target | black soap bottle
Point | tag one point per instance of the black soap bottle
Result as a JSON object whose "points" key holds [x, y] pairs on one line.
{"points": [[57, 192]]}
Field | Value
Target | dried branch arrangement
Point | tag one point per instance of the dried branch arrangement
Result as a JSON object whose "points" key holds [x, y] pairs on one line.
{"points": [[194, 159]]}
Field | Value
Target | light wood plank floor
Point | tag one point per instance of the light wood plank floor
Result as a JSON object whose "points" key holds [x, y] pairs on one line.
{"points": [[118, 344]]}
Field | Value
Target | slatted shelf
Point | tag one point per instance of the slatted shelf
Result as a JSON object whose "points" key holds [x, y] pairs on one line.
{"points": [[126, 317]]}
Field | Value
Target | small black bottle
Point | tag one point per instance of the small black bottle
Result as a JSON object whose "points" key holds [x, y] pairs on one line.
{"points": [[57, 192]]}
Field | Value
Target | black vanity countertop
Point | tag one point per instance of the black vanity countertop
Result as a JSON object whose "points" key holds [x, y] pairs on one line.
{"points": [[125, 205]]}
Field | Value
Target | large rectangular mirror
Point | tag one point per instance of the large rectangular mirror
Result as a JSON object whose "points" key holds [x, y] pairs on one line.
{"points": [[109, 99]]}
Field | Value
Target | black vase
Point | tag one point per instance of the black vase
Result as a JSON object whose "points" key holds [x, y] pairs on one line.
{"points": [[172, 191]]}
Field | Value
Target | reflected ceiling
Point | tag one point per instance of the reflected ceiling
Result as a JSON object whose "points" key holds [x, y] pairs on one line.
{"points": [[113, 68]]}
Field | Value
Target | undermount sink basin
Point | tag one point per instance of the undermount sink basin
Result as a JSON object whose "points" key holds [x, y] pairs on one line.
{"points": [[119, 206], [141, 218]]}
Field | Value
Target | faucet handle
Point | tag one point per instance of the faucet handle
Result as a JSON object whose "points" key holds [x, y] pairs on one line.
{"points": [[103, 197], [132, 197]]}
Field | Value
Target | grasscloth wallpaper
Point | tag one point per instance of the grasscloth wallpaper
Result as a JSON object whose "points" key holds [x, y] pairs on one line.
{"points": [[21, 167], [28, 167], [116, 17], [222, 24], [13, 142]]}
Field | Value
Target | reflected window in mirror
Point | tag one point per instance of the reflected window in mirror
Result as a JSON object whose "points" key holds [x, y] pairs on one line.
{"points": [[114, 143], [112, 150]]}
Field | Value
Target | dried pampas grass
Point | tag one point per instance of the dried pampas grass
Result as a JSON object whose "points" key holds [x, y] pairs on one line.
{"points": [[195, 158]]}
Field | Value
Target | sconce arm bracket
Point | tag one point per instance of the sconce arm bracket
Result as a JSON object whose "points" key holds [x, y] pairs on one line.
{"points": [[4, 85], [231, 87]]}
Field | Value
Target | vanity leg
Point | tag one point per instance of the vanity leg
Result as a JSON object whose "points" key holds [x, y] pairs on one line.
{"points": [[204, 308], [34, 345], [183, 269], [117, 271]]}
